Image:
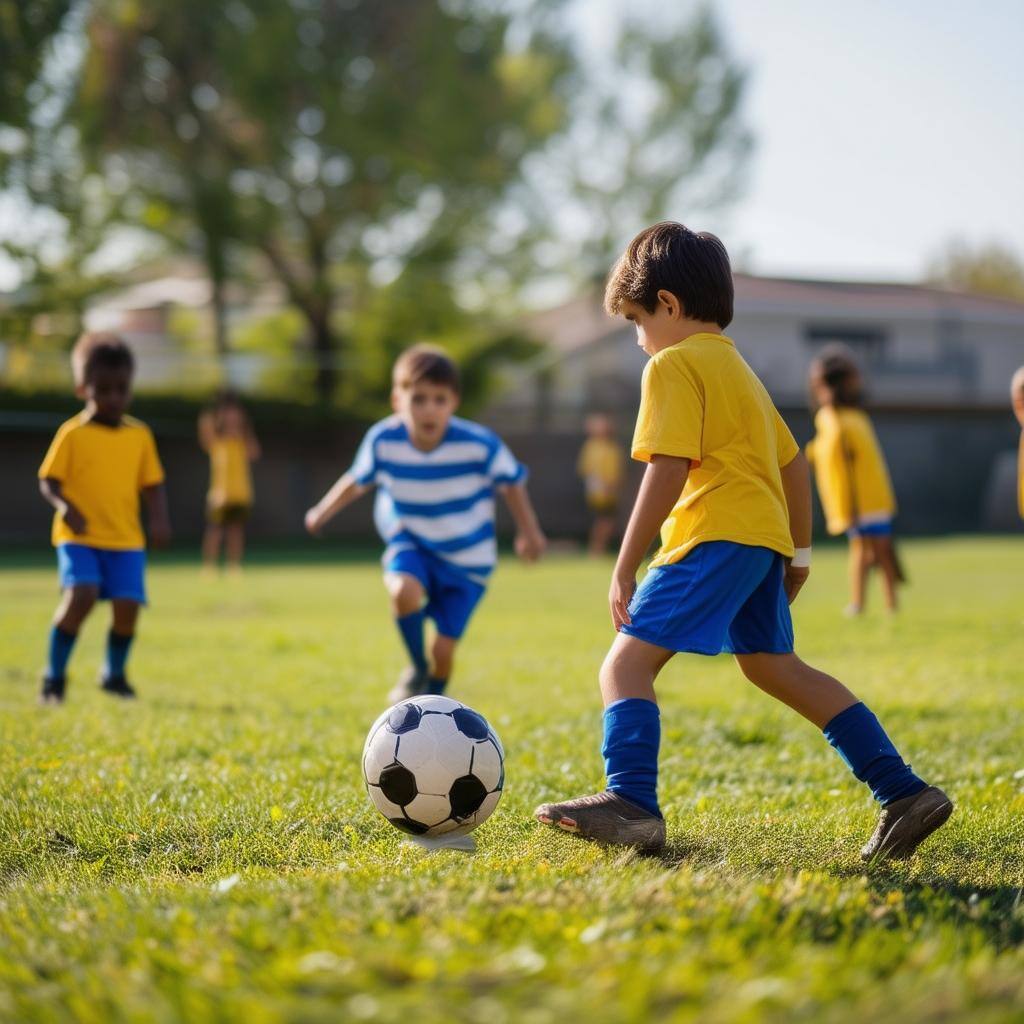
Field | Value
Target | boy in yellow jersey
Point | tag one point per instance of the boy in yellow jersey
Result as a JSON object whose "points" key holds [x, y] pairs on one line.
{"points": [[852, 477], [226, 435], [730, 490], [1017, 398], [97, 465], [600, 465]]}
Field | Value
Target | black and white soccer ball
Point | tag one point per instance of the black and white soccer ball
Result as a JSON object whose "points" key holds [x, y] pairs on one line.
{"points": [[433, 767]]}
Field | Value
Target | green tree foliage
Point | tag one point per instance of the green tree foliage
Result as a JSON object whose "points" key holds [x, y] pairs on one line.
{"points": [[322, 135], [989, 269]]}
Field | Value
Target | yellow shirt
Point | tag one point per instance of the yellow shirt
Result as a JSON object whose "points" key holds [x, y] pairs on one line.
{"points": [[701, 401], [600, 465], [1020, 476], [849, 469], [230, 480], [101, 471]]}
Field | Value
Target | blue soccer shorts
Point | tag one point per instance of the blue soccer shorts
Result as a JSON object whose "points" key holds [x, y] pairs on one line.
{"points": [[871, 528], [118, 574], [452, 596], [720, 598]]}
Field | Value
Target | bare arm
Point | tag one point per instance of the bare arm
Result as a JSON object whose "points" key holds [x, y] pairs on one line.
{"points": [[158, 517], [252, 445], [205, 430], [530, 539], [50, 489], [662, 484], [796, 484], [343, 493]]}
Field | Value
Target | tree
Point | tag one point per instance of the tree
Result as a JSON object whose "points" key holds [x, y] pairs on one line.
{"points": [[989, 269], [654, 131], [327, 136]]}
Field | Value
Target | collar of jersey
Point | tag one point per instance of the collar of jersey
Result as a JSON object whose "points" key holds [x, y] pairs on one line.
{"points": [[700, 334]]}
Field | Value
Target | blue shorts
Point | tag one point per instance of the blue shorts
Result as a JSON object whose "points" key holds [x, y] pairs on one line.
{"points": [[878, 528], [451, 596], [118, 574], [721, 598]]}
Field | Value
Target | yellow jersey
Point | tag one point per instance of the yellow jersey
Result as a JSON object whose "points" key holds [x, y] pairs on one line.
{"points": [[701, 401], [230, 479], [101, 470], [1020, 476], [600, 466], [849, 469]]}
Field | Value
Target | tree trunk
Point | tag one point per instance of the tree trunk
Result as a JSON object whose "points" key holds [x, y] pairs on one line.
{"points": [[323, 351], [218, 306]]}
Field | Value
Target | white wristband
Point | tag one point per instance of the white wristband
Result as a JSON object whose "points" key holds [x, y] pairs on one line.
{"points": [[801, 559]]}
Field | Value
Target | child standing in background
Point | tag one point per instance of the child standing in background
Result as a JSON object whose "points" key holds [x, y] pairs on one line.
{"points": [[97, 465], [851, 474], [226, 435], [1017, 397], [600, 466]]}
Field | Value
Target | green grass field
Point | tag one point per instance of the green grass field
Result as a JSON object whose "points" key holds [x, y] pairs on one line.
{"points": [[208, 853]]}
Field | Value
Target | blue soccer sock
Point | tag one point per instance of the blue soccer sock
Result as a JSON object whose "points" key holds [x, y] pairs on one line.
{"points": [[870, 754], [632, 735], [118, 647], [436, 685], [60, 647], [411, 628]]}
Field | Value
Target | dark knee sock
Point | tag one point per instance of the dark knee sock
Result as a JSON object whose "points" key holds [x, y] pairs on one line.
{"points": [[60, 647], [632, 735], [118, 647], [411, 628], [436, 685], [863, 744]]}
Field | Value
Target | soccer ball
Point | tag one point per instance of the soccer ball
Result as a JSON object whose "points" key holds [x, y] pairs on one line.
{"points": [[433, 767]]}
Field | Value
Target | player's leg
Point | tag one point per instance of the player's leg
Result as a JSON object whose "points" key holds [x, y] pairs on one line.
{"points": [[858, 573], [885, 559], [125, 614], [626, 812], [406, 581], [212, 538], [234, 543], [442, 662], [75, 604], [911, 809], [601, 534]]}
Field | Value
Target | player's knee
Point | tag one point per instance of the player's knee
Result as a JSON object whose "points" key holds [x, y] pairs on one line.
{"points": [[406, 593], [82, 598]]}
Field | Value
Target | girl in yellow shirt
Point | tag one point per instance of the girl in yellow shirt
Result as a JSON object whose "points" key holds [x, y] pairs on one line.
{"points": [[600, 466], [1017, 397], [851, 474], [226, 435]]}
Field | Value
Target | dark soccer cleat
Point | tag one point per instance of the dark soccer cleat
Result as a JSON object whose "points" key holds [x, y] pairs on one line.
{"points": [[118, 686], [53, 690], [606, 818], [411, 683], [904, 824]]}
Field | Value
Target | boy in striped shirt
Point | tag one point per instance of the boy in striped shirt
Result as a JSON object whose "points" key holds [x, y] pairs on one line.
{"points": [[436, 476]]}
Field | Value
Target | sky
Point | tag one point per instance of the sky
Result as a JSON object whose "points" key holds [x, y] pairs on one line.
{"points": [[883, 129]]}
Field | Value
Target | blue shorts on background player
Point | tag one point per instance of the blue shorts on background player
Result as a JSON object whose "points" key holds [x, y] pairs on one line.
{"points": [[97, 465], [730, 491], [436, 477]]}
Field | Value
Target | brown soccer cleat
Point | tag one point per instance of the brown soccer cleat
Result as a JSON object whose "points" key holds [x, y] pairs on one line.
{"points": [[607, 818], [904, 824]]}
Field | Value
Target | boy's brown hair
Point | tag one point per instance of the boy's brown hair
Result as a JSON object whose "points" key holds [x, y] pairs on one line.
{"points": [[692, 265], [425, 363], [96, 349], [836, 368]]}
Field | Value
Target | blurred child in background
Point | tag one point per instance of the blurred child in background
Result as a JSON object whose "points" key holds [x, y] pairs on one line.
{"points": [[1017, 397], [226, 435], [97, 465], [851, 474], [600, 466]]}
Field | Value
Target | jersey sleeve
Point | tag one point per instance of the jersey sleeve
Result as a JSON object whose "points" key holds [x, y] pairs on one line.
{"points": [[671, 417], [785, 444], [151, 470], [57, 460], [364, 466], [504, 467]]}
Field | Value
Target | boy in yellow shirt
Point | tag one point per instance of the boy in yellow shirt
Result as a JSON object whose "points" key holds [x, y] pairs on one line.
{"points": [[1017, 397], [600, 467], [728, 487], [851, 474], [97, 465], [226, 435]]}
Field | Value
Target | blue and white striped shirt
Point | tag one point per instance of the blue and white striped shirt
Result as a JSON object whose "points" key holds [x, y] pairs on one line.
{"points": [[443, 500]]}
